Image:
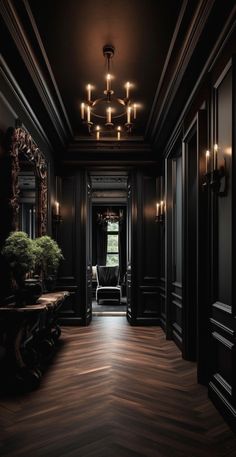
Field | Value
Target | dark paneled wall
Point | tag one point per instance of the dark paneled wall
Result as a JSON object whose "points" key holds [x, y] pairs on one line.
{"points": [[161, 270], [222, 380], [198, 301], [174, 235], [145, 255], [66, 237], [74, 194]]}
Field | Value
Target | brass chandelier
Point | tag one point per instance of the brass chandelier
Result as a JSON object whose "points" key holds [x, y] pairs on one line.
{"points": [[116, 115]]}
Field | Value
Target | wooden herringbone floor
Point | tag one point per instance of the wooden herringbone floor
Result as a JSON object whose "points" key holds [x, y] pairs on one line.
{"points": [[115, 391]]}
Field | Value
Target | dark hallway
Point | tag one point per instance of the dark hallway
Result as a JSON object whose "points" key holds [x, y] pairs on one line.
{"points": [[117, 190]]}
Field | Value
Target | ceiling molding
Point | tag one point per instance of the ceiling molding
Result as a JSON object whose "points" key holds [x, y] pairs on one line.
{"points": [[108, 162], [129, 146], [109, 179], [109, 194], [168, 57], [45, 57], [24, 110], [225, 35], [19, 36], [186, 48]]}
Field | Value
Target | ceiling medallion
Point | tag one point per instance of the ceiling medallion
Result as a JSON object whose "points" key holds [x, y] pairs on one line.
{"points": [[117, 115]]}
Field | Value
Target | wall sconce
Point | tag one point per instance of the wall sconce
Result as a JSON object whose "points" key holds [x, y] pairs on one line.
{"points": [[160, 212], [56, 213], [215, 179]]}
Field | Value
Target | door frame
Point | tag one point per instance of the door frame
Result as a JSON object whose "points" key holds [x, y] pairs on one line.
{"points": [[199, 322]]}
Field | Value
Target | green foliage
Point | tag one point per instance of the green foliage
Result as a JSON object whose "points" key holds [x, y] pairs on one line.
{"points": [[112, 243], [48, 254], [112, 260], [18, 250], [113, 226]]}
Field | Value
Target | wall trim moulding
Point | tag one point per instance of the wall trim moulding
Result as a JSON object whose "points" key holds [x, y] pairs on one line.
{"points": [[52, 102], [186, 49], [24, 110], [135, 147], [156, 128]]}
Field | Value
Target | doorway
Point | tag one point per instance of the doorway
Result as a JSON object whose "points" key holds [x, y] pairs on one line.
{"points": [[109, 243], [190, 242]]}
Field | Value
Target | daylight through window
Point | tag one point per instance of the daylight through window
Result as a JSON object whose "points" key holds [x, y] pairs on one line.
{"points": [[112, 244]]}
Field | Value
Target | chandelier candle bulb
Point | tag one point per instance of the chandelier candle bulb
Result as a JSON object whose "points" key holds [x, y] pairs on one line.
{"points": [[108, 82], [118, 132], [215, 156], [82, 110], [88, 114], [98, 132], [157, 210], [127, 89], [128, 115], [207, 160], [89, 92], [135, 110], [109, 115]]}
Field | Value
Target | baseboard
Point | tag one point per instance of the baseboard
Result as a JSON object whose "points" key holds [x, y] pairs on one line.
{"points": [[145, 321], [71, 321], [163, 324], [224, 407]]}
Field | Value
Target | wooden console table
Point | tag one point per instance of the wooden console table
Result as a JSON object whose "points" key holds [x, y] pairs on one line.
{"points": [[29, 337]]}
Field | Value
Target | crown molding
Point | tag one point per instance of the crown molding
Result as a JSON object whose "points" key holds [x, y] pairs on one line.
{"points": [[166, 64], [104, 146], [226, 33], [17, 99], [41, 75], [164, 99]]}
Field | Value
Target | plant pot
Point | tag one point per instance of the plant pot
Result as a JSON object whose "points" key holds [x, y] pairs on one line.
{"points": [[50, 283], [29, 293]]}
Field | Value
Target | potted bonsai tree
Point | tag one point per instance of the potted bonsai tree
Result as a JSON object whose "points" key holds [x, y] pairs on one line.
{"points": [[48, 257], [19, 253]]}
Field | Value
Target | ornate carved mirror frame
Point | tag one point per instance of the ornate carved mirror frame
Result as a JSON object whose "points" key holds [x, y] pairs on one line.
{"points": [[22, 145]]}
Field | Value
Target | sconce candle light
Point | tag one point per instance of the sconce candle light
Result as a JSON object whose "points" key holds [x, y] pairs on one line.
{"points": [[215, 178], [207, 161], [215, 157], [160, 211], [56, 213], [57, 209]]}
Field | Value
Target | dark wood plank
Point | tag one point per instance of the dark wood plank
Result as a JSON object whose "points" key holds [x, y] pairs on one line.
{"points": [[115, 391]]}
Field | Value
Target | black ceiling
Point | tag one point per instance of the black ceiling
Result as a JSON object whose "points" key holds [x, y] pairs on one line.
{"points": [[74, 33]]}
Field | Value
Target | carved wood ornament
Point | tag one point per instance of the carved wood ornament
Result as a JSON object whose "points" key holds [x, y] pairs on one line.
{"points": [[22, 145]]}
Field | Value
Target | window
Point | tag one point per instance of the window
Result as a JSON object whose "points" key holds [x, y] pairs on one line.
{"points": [[112, 244]]}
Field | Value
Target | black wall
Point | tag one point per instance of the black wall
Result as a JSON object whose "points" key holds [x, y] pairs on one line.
{"points": [[197, 290]]}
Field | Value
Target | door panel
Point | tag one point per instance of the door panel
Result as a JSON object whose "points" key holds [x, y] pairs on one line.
{"points": [[130, 311], [87, 221], [190, 164], [176, 294]]}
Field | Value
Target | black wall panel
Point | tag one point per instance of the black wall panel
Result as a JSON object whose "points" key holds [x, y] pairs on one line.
{"points": [[145, 304], [222, 383]]}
